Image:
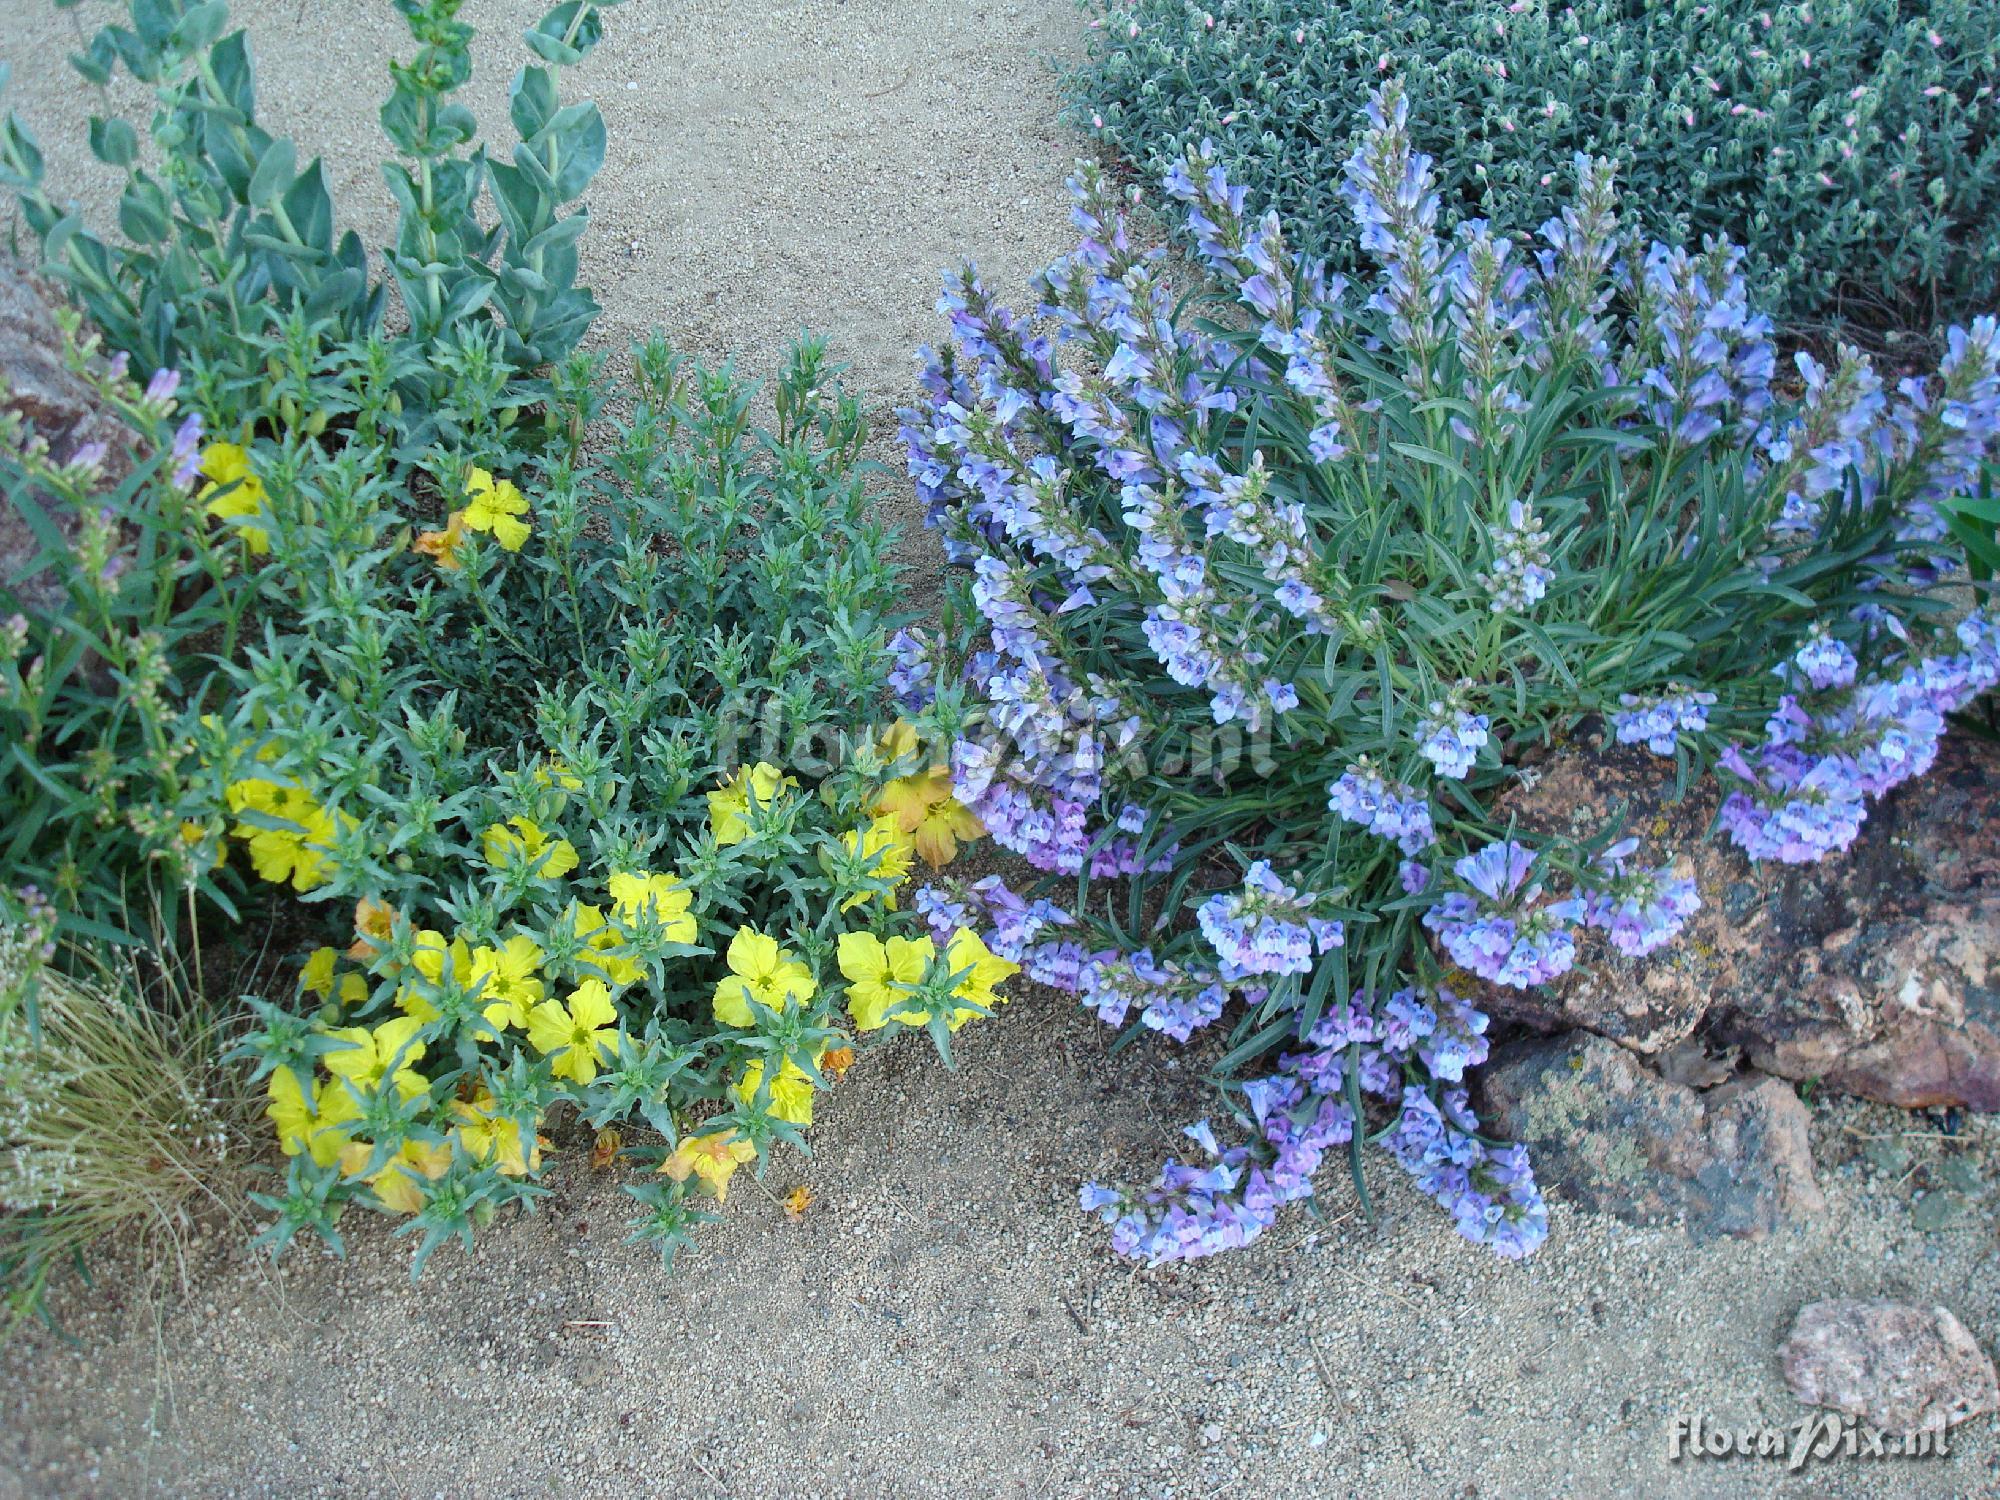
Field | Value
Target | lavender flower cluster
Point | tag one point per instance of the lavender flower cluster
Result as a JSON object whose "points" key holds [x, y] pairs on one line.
{"points": [[1245, 513], [1836, 740], [1658, 721], [1500, 928], [1268, 927], [1298, 1114], [1389, 810]]}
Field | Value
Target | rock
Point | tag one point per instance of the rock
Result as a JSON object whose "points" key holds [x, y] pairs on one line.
{"points": [[1876, 972], [1613, 1135], [1898, 1366], [40, 394]]}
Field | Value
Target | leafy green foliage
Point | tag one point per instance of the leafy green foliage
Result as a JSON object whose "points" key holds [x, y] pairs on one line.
{"points": [[224, 228], [1975, 525], [571, 729], [1851, 144], [92, 691], [227, 272]]}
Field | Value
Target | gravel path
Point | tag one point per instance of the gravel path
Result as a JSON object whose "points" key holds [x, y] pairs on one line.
{"points": [[943, 1321]]}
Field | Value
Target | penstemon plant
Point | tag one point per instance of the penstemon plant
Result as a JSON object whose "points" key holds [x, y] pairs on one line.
{"points": [[1281, 581]]}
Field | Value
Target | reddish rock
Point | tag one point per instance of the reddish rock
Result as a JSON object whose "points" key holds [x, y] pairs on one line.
{"points": [[1610, 1133], [1876, 972], [1897, 1366]]}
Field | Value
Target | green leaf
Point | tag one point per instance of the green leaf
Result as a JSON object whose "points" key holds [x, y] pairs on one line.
{"points": [[565, 34], [113, 142], [201, 25], [229, 60], [532, 101], [144, 215], [274, 173], [20, 157]]}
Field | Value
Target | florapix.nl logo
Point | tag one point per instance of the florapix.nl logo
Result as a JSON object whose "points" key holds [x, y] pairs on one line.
{"points": [[1818, 1436]]}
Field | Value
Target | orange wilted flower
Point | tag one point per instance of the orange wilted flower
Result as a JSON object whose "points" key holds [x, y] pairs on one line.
{"points": [[797, 1201], [442, 546], [374, 925], [604, 1150], [836, 1062]]}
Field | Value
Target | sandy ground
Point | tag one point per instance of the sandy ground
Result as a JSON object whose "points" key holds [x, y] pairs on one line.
{"points": [[943, 1321]]}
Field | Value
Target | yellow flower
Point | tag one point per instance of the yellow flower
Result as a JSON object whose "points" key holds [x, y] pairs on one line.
{"points": [[985, 969], [929, 815], [519, 839], [312, 1126], [399, 1181], [442, 546], [713, 1158], [791, 1095], [491, 1137], [432, 950], [496, 507], [271, 798], [605, 942], [317, 976], [296, 855], [370, 1054], [729, 808], [510, 987], [666, 896], [234, 491], [883, 836], [762, 971], [577, 1034], [553, 772], [899, 743], [880, 977]]}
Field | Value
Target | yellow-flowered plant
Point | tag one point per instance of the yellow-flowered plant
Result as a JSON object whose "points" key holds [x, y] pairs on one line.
{"points": [[521, 841], [575, 1034], [596, 761], [713, 1158], [610, 983], [760, 973], [289, 835]]}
